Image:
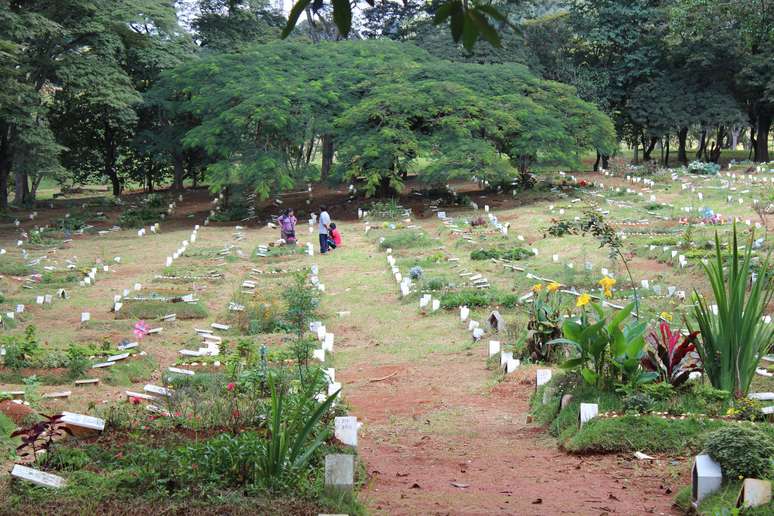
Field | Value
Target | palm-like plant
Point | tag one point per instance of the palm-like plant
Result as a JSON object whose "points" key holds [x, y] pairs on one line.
{"points": [[291, 426], [671, 355], [734, 335]]}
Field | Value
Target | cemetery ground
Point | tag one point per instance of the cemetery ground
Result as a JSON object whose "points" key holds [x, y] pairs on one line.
{"points": [[445, 430]]}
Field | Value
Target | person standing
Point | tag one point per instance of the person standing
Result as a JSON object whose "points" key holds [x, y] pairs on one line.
{"points": [[325, 220], [288, 226]]}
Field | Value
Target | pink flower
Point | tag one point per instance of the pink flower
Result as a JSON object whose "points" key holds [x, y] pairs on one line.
{"points": [[141, 329], [235, 413], [230, 387], [134, 400]]}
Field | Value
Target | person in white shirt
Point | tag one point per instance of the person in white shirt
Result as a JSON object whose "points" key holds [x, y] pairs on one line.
{"points": [[325, 220]]}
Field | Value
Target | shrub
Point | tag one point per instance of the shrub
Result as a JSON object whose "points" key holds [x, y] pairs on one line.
{"points": [[671, 355], [405, 240], [416, 272], [741, 452], [515, 254], [735, 336], [638, 402], [699, 167]]}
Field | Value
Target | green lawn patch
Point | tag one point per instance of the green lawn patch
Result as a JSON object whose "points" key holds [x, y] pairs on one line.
{"points": [[158, 309]]}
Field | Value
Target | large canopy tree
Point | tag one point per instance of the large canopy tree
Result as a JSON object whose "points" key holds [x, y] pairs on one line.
{"points": [[261, 115]]}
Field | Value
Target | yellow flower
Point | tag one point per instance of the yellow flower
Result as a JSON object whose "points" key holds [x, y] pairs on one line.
{"points": [[607, 284], [667, 316], [537, 287], [583, 300], [553, 286]]}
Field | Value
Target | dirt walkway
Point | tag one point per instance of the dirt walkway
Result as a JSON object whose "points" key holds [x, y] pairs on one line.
{"points": [[439, 436]]}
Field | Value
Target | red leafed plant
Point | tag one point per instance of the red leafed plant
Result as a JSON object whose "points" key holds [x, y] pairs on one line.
{"points": [[670, 354], [40, 435]]}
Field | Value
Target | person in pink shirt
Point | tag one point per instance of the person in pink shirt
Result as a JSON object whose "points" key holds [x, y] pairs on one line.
{"points": [[335, 236]]}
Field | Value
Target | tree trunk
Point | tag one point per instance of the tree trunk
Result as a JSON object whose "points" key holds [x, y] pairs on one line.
{"points": [[327, 156], [177, 184], [636, 152], [682, 136], [34, 191], [702, 144], [666, 151], [110, 159], [647, 151], [596, 163], [5, 164], [735, 133], [762, 136], [605, 162], [20, 188]]}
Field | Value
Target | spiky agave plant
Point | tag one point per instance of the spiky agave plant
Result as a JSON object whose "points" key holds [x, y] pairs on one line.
{"points": [[734, 336]]}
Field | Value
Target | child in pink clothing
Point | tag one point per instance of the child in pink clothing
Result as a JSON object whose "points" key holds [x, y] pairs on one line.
{"points": [[334, 237]]}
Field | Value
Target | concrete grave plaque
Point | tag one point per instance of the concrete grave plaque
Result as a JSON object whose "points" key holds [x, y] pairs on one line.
{"points": [[494, 347], [85, 316], [754, 493], [339, 472], [37, 477], [60, 394], [116, 358], [103, 365], [346, 430], [543, 376], [83, 421], [89, 381], [327, 343], [219, 326], [504, 357], [511, 365], [496, 321], [318, 354], [464, 312], [181, 371], [706, 478], [588, 411], [159, 391]]}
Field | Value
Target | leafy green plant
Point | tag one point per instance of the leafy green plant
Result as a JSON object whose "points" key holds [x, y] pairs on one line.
{"points": [[544, 322], [671, 355], [638, 402], [302, 303], [742, 452], [604, 348], [292, 441], [733, 333]]}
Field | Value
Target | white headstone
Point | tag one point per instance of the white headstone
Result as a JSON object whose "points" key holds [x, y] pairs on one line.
{"points": [[706, 477], [37, 477], [346, 430], [588, 411]]}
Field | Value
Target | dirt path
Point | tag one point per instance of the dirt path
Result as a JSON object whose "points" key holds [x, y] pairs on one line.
{"points": [[439, 436]]}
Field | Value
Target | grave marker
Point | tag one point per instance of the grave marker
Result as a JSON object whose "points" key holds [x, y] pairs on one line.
{"points": [[494, 347], [588, 411], [339, 472], [37, 477], [543, 376], [346, 428], [706, 478], [754, 493]]}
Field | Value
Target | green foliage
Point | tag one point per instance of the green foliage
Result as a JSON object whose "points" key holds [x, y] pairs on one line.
{"points": [[406, 240], [477, 298], [649, 434], [302, 302], [514, 254], [638, 403], [606, 352], [20, 350], [732, 340], [700, 167], [742, 452], [488, 121], [151, 309]]}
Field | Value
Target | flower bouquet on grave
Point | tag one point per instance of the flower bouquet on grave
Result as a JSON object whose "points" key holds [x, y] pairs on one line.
{"points": [[141, 329]]}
